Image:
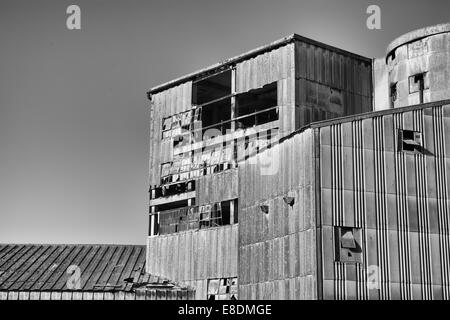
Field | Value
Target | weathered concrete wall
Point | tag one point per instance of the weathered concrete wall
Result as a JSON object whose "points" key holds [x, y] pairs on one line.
{"points": [[380, 85]]}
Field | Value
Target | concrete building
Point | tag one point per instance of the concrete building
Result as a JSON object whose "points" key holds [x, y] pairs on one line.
{"points": [[417, 69], [271, 177]]}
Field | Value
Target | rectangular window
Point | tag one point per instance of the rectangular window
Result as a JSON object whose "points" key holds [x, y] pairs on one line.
{"points": [[419, 83], [410, 141], [178, 216], [257, 106], [211, 88], [348, 246]]}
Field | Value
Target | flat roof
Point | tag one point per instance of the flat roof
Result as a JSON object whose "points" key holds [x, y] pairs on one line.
{"points": [[250, 54]]}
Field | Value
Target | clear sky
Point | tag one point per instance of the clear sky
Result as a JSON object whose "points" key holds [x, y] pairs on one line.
{"points": [[73, 111]]}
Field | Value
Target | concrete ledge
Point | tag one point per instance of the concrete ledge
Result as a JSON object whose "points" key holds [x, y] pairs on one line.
{"points": [[416, 35]]}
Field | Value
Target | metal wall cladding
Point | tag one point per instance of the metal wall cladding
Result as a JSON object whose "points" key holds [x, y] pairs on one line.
{"points": [[217, 187], [278, 66], [166, 103], [265, 68], [330, 83], [192, 257], [430, 54], [277, 249], [400, 200]]}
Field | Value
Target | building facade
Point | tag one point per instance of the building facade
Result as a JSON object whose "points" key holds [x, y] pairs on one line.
{"points": [[272, 178]]}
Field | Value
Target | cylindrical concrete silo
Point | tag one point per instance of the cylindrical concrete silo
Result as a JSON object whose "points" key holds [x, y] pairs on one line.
{"points": [[419, 66]]}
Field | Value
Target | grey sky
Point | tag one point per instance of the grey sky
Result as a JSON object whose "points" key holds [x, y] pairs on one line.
{"points": [[73, 108]]}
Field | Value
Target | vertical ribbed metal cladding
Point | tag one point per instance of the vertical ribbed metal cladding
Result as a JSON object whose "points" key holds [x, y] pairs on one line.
{"points": [[317, 187], [423, 214], [360, 206], [380, 207], [337, 203], [402, 218], [442, 208]]}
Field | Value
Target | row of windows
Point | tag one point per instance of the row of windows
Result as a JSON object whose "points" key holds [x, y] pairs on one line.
{"points": [[198, 217], [212, 108], [215, 158]]}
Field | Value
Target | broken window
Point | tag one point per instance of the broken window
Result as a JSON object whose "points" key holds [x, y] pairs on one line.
{"points": [[178, 216], [409, 140], [167, 123], [222, 289], [348, 244], [211, 88], [182, 140], [216, 117], [257, 106], [186, 119], [393, 93]]}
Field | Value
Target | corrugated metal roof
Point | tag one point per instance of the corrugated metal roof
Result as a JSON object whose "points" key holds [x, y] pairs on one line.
{"points": [[102, 268]]}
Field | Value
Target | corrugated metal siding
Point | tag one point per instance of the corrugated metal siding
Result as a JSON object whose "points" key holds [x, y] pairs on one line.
{"points": [[164, 104], [192, 257], [330, 84], [274, 66], [217, 187], [400, 200], [277, 251], [39, 272]]}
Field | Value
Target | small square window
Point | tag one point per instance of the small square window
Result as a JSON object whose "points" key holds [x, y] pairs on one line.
{"points": [[410, 141], [419, 82], [348, 244]]}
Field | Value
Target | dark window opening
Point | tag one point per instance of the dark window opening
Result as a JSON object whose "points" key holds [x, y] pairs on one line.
{"points": [[172, 205], [393, 93], [259, 105], [226, 206], [348, 244], [213, 115], [172, 189], [409, 140], [211, 88]]}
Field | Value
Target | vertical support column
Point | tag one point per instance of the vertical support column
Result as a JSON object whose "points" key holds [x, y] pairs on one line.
{"points": [[154, 222], [233, 109], [233, 98]]}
